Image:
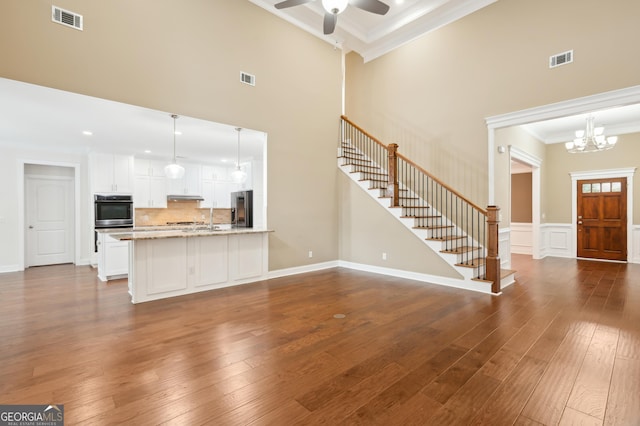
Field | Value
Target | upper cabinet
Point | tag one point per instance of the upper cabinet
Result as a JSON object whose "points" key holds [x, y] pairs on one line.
{"points": [[111, 173], [150, 184], [152, 168], [189, 184]]}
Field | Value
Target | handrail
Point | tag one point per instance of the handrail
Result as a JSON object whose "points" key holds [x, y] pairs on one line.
{"points": [[463, 227], [447, 187], [373, 138], [361, 130]]}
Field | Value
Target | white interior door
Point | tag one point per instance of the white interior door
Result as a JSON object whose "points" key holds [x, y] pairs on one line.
{"points": [[49, 214]]}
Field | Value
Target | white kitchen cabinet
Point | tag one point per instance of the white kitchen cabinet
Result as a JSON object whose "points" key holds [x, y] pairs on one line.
{"points": [[222, 193], [189, 184], [217, 186], [113, 257], [153, 168], [207, 194], [111, 173], [150, 192]]}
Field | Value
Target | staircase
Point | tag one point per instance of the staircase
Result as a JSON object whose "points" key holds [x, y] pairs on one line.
{"points": [[453, 227]]}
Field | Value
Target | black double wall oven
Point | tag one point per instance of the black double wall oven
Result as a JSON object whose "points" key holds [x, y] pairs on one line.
{"points": [[112, 211]]}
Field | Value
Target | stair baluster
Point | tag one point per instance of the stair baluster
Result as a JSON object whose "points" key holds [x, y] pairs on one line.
{"points": [[464, 228]]}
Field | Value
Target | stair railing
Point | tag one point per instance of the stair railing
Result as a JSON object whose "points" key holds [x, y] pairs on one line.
{"points": [[407, 184]]}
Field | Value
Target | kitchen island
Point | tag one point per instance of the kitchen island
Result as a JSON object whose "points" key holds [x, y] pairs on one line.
{"points": [[176, 262]]}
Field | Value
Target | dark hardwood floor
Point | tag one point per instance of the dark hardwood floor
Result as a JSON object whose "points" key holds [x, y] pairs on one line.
{"points": [[561, 346]]}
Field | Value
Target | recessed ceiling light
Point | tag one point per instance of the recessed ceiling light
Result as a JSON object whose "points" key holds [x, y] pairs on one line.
{"points": [[87, 133], [178, 133], [147, 151], [224, 160], [399, 1]]}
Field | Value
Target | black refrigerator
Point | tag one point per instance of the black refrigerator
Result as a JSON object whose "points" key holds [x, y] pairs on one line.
{"points": [[242, 209]]}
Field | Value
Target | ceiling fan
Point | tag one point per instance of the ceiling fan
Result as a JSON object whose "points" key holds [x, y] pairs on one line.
{"points": [[334, 7]]}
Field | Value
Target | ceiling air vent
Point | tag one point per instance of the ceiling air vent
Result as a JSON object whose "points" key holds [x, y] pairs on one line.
{"points": [[67, 18], [247, 78], [561, 59]]}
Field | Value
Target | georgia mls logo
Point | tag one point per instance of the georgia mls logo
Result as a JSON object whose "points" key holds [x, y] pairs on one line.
{"points": [[32, 415]]}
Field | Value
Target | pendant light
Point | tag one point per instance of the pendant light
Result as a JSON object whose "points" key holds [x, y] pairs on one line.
{"points": [[238, 175], [174, 170]]}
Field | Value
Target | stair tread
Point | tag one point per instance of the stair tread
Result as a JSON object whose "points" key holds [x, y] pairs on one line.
{"points": [[371, 173], [410, 207], [372, 180], [434, 227], [460, 250], [446, 238], [506, 272], [474, 263], [355, 159], [419, 217]]}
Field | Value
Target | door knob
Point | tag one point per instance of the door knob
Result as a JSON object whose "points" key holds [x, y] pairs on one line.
{"points": [[30, 226]]}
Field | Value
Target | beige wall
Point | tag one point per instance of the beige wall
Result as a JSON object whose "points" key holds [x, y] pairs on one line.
{"points": [[185, 57], [432, 95], [557, 180], [367, 231], [521, 198]]}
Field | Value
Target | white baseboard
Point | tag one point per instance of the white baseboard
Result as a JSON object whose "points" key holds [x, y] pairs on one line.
{"points": [[10, 268], [301, 269], [477, 286]]}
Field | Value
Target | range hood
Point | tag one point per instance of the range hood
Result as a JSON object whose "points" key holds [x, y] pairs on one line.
{"points": [[184, 198]]}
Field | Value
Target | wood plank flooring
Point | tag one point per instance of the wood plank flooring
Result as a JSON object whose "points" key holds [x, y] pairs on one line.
{"points": [[561, 346]]}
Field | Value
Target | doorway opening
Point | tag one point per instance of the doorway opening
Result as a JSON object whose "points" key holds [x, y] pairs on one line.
{"points": [[521, 224]]}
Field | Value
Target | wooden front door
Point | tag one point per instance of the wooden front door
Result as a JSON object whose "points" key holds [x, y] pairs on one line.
{"points": [[602, 218]]}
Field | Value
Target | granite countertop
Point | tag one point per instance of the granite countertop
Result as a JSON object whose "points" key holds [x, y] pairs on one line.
{"points": [[182, 232]]}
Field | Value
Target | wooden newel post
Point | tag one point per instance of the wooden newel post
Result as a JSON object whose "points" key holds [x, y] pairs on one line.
{"points": [[392, 186], [493, 256]]}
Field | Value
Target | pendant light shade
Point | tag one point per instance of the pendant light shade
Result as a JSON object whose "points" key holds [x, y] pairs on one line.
{"points": [[174, 170], [238, 175]]}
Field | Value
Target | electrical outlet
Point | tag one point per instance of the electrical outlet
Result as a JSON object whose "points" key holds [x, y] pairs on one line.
{"points": [[310, 254], [384, 256]]}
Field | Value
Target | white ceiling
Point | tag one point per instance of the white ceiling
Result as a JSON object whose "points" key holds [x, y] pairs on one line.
{"points": [[36, 116], [373, 35], [616, 121]]}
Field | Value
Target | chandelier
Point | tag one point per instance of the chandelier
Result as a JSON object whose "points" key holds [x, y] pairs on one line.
{"points": [[591, 139]]}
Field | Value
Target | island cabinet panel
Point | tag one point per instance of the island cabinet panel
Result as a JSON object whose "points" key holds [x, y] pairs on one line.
{"points": [[172, 263], [160, 267], [208, 261], [248, 256]]}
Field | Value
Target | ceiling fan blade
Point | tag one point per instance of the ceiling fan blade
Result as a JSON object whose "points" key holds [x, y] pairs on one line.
{"points": [[290, 3], [373, 6], [330, 20]]}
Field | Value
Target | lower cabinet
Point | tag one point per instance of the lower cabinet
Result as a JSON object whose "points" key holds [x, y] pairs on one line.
{"points": [[113, 258]]}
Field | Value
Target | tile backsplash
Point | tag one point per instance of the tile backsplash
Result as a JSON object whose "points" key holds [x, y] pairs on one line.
{"points": [[180, 211]]}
